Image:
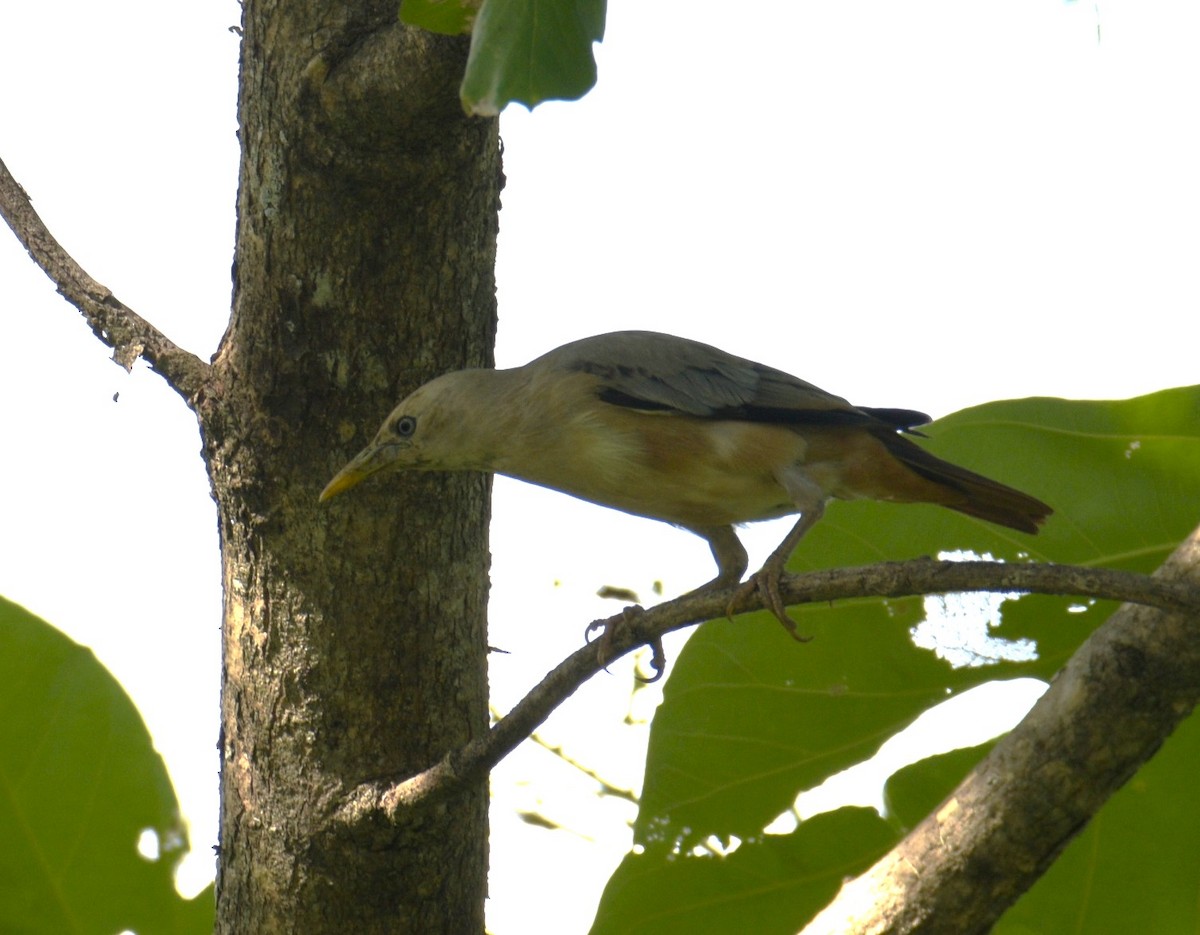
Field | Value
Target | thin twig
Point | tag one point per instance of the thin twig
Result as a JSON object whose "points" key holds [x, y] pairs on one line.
{"points": [[629, 631], [127, 333], [606, 787], [557, 750]]}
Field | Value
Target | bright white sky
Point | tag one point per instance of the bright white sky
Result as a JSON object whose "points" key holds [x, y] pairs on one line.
{"points": [[921, 204]]}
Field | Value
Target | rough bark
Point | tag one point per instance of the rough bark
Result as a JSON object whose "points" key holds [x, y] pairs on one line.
{"points": [[354, 637]]}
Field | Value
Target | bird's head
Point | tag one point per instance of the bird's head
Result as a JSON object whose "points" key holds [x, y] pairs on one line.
{"points": [[443, 426]]}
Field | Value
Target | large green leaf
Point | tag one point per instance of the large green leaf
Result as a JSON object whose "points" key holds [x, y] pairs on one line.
{"points": [[750, 719], [531, 51], [79, 784], [769, 885], [448, 17], [526, 51]]}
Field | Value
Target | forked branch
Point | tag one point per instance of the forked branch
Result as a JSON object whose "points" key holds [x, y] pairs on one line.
{"points": [[127, 333]]}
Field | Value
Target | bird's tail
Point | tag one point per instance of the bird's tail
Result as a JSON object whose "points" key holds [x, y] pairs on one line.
{"points": [[968, 492]]}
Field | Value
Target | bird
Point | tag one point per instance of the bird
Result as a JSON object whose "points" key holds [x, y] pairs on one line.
{"points": [[679, 431]]}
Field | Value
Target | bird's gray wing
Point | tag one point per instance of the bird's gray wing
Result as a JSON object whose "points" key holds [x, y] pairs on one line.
{"points": [[660, 372]]}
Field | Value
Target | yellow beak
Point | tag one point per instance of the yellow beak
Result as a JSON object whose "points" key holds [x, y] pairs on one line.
{"points": [[367, 462]]}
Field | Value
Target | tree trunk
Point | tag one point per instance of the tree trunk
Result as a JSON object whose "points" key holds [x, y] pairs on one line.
{"points": [[354, 636]]}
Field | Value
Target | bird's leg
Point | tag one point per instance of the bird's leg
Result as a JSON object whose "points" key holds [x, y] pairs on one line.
{"points": [[729, 554], [732, 562], [766, 579]]}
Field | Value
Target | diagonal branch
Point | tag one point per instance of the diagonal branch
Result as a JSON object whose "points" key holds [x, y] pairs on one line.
{"points": [[633, 628], [127, 333]]}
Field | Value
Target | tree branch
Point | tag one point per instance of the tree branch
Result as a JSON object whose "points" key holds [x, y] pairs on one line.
{"points": [[634, 627], [1106, 713], [127, 333]]}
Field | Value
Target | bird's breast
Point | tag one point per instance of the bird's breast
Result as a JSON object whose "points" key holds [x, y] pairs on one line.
{"points": [[684, 470]]}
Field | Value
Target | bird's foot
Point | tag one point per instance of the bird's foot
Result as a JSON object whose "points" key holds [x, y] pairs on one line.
{"points": [[765, 581], [627, 620]]}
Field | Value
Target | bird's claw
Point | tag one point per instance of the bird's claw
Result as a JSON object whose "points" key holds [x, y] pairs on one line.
{"points": [[766, 582], [626, 619], [658, 662]]}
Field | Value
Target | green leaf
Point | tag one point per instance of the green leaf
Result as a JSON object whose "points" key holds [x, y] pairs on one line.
{"points": [[530, 51], [448, 17], [750, 719], [79, 784], [769, 885]]}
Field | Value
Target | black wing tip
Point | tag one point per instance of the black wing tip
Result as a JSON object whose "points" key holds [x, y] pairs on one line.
{"points": [[902, 419]]}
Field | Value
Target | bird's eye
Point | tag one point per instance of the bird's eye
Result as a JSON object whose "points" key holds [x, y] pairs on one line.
{"points": [[404, 426]]}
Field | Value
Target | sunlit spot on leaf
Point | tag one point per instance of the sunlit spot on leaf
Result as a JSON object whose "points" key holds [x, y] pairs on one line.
{"points": [[957, 626], [147, 844]]}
